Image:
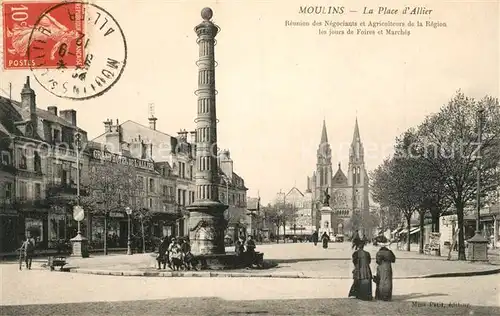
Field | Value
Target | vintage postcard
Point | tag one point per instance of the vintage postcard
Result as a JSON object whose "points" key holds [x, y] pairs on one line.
{"points": [[249, 157]]}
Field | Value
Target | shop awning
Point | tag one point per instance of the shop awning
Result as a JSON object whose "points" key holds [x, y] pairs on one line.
{"points": [[414, 230]]}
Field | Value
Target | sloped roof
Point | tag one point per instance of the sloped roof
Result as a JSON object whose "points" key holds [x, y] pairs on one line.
{"points": [[339, 177], [294, 189]]}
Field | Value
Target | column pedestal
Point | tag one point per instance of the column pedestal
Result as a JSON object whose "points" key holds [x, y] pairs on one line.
{"points": [[207, 225], [325, 222], [79, 246]]}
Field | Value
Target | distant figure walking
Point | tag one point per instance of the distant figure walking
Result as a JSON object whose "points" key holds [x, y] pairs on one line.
{"points": [[383, 280], [315, 237], [325, 239], [356, 240], [28, 249], [362, 275]]}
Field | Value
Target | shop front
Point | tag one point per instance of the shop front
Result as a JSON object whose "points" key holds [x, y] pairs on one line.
{"points": [[10, 236], [117, 231], [35, 226]]}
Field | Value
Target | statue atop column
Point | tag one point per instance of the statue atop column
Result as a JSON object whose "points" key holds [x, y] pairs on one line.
{"points": [[326, 201]]}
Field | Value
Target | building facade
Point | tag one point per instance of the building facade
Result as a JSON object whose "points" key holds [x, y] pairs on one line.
{"points": [[38, 162], [299, 222], [349, 194], [38, 176]]}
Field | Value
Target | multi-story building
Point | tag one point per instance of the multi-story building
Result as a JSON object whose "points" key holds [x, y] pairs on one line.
{"points": [[349, 195], [176, 155], [232, 191], [38, 176], [38, 162], [299, 219]]}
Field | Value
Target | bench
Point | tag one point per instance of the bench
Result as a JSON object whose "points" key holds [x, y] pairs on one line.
{"points": [[56, 261]]}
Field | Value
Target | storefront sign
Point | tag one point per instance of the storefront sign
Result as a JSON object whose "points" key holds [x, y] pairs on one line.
{"points": [[116, 214], [127, 161]]}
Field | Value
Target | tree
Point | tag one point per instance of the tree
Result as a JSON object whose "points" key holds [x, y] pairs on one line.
{"points": [[448, 141], [280, 214], [428, 185], [393, 186], [112, 187]]}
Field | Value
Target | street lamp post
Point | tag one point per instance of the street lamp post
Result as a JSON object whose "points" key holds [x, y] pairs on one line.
{"points": [[129, 241], [79, 243], [478, 245]]}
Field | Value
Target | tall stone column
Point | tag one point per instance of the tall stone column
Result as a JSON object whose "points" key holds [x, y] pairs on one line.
{"points": [[206, 219]]}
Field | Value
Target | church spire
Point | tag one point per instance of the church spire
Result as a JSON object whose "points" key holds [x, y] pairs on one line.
{"points": [[324, 135], [355, 136]]}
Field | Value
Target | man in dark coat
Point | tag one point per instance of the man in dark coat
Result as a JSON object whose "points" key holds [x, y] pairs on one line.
{"points": [[162, 252], [315, 237], [356, 240]]}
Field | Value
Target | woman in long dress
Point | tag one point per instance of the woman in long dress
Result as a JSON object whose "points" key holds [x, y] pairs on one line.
{"points": [[325, 239], [362, 275], [384, 258]]}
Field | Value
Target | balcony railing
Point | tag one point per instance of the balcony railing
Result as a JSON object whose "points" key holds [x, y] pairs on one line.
{"points": [[26, 203], [63, 189]]}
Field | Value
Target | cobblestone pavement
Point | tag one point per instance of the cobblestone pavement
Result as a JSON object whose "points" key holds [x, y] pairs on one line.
{"points": [[134, 296], [302, 260]]}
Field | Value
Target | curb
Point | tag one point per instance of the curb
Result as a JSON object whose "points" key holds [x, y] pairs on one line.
{"points": [[176, 274]]}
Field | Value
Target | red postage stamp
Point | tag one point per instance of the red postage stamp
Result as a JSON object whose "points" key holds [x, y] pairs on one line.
{"points": [[44, 35]]}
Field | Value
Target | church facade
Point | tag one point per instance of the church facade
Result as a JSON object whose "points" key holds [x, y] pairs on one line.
{"points": [[348, 191]]}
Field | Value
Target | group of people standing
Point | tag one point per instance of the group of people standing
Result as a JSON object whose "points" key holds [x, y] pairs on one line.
{"points": [[175, 253], [362, 275]]}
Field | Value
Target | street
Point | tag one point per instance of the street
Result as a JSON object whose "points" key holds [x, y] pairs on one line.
{"points": [[42, 292]]}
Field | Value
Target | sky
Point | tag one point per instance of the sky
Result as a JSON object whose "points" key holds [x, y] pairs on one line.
{"points": [[276, 83]]}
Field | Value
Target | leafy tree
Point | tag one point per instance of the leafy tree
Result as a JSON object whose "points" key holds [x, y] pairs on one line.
{"points": [[428, 185], [112, 187], [393, 187], [449, 142]]}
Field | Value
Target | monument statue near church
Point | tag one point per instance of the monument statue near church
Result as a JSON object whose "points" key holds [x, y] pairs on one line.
{"points": [[326, 201]]}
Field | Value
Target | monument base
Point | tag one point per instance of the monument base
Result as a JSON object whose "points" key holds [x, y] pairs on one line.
{"points": [[478, 248], [206, 228], [220, 262], [79, 246]]}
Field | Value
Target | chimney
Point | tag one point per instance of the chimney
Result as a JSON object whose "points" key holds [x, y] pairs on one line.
{"points": [[226, 163], [107, 125], [152, 122], [69, 116], [52, 109], [193, 137]]}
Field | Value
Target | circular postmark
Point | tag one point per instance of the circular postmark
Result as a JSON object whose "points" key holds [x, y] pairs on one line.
{"points": [[78, 50]]}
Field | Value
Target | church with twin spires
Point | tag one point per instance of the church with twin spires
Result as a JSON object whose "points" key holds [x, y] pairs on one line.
{"points": [[348, 191]]}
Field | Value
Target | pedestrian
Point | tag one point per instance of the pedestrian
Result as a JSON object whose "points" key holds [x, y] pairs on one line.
{"points": [[28, 249], [162, 253], [325, 239], [356, 240], [383, 280], [250, 250], [362, 275], [315, 237]]}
